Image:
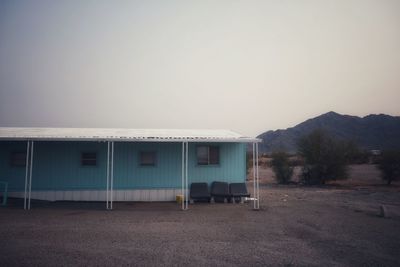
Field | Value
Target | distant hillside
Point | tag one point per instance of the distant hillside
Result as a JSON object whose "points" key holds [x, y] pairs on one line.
{"points": [[370, 132]]}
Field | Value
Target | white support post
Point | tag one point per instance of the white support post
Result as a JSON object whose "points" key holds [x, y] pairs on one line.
{"points": [[30, 176], [187, 179], [254, 176], [183, 176], [108, 174], [26, 171], [258, 179], [112, 173]]}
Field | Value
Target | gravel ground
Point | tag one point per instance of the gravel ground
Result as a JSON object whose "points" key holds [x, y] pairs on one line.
{"points": [[300, 226]]}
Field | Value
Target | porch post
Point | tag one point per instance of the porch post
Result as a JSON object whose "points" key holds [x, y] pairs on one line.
{"points": [[112, 173], [183, 176], [254, 176], [258, 179], [186, 174], [26, 171], [30, 176], [185, 183], [108, 173]]}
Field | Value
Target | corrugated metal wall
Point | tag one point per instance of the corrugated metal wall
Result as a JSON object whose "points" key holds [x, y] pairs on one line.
{"points": [[100, 195], [57, 166], [232, 167], [15, 176]]}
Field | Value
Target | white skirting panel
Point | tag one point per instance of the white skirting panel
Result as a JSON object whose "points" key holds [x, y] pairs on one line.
{"points": [[100, 195]]}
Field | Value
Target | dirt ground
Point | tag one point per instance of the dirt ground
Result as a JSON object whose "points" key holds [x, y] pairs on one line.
{"points": [[335, 225]]}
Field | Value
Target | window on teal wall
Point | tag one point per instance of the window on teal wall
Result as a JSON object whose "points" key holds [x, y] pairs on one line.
{"points": [[148, 158], [207, 155], [18, 159], [89, 159]]}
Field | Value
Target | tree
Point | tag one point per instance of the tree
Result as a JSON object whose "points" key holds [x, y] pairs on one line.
{"points": [[389, 164], [281, 166], [325, 158], [356, 155]]}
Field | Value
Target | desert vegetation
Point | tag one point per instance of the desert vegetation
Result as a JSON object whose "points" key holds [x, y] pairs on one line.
{"points": [[325, 158], [281, 166], [389, 164], [321, 158]]}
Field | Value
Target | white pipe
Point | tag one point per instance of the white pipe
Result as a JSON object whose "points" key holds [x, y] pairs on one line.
{"points": [[108, 171], [112, 173], [187, 179], [30, 177], [26, 171], [183, 175], [254, 175], [258, 178]]}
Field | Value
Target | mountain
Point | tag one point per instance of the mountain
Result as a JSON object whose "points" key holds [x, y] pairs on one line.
{"points": [[370, 132]]}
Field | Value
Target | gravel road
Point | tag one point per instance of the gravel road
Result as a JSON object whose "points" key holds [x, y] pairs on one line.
{"points": [[295, 226]]}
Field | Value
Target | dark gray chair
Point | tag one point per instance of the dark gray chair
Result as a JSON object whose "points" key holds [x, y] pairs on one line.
{"points": [[220, 192], [238, 191], [199, 192]]}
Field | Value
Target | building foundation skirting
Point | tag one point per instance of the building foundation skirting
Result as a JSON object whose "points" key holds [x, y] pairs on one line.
{"points": [[100, 195]]}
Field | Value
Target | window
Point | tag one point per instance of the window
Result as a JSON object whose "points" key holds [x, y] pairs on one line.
{"points": [[207, 155], [18, 159], [89, 159], [147, 158]]}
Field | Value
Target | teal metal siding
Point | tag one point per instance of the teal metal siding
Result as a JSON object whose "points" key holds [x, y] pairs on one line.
{"points": [[57, 166], [129, 174], [15, 176], [232, 167]]}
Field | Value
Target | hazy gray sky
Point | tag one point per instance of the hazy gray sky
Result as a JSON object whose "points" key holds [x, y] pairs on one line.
{"points": [[248, 66]]}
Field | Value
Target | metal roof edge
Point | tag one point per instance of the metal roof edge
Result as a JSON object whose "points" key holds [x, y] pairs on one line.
{"points": [[127, 135], [161, 140]]}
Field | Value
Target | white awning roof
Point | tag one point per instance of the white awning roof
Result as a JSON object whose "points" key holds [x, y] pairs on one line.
{"points": [[131, 135]]}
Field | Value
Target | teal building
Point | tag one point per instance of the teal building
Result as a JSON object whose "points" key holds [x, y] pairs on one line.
{"points": [[87, 164]]}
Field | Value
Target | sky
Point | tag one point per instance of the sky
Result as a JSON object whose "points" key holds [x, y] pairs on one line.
{"points": [[247, 66]]}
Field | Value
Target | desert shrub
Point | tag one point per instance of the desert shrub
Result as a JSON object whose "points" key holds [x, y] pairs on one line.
{"points": [[389, 164], [325, 158], [362, 157], [356, 155], [281, 166], [296, 161]]}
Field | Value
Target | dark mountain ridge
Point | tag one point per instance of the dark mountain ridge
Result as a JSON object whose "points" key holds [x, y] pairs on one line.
{"points": [[375, 131]]}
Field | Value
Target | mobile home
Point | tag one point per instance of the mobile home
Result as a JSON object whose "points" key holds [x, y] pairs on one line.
{"points": [[88, 164]]}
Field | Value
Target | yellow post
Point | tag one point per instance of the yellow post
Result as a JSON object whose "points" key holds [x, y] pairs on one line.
{"points": [[179, 199]]}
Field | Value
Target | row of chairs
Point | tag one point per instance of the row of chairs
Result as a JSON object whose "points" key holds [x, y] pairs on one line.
{"points": [[220, 192]]}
